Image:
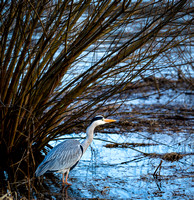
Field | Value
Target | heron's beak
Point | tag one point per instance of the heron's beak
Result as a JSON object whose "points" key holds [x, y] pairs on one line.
{"points": [[109, 120]]}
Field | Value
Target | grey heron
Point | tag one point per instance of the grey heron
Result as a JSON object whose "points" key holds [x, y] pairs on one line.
{"points": [[66, 155]]}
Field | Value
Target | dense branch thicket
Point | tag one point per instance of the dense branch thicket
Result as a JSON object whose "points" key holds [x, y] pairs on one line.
{"points": [[56, 57]]}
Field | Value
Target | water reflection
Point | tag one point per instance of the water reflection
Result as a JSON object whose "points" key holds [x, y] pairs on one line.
{"points": [[68, 193]]}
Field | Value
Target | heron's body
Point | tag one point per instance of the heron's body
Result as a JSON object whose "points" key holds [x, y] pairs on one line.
{"points": [[66, 155], [63, 161]]}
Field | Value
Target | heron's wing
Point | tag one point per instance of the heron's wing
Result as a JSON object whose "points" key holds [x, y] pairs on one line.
{"points": [[63, 156]]}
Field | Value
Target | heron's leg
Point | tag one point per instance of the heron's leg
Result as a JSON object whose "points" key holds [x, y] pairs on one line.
{"points": [[65, 182], [66, 178]]}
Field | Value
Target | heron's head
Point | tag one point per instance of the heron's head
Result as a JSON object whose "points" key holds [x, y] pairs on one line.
{"points": [[99, 120]]}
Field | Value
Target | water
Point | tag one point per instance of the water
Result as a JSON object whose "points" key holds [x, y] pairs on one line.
{"points": [[126, 173]]}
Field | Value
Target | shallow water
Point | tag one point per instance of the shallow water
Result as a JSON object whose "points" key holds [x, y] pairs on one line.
{"points": [[125, 173]]}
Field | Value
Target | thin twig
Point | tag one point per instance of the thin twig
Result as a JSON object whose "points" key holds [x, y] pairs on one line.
{"points": [[44, 31], [159, 167]]}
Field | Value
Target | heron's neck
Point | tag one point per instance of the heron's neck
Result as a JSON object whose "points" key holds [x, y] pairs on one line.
{"points": [[90, 134]]}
